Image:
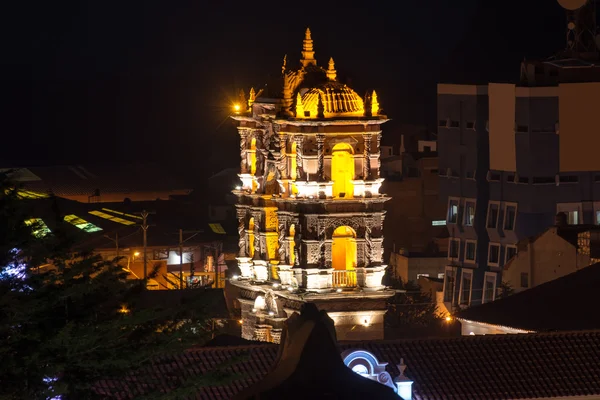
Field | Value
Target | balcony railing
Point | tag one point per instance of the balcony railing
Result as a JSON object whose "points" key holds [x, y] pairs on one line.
{"points": [[345, 278]]}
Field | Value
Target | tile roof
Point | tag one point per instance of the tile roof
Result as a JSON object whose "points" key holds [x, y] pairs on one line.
{"points": [[492, 367], [564, 304]]}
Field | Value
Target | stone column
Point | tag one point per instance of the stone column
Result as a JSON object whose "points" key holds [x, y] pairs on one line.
{"points": [[321, 157], [299, 159], [257, 250], [243, 151], [282, 233], [241, 215], [378, 150], [367, 155], [283, 168], [368, 243]]}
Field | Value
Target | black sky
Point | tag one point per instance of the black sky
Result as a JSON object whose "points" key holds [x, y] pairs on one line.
{"points": [[96, 81]]}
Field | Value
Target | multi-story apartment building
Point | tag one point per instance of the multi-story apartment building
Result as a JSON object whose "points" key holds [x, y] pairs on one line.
{"points": [[511, 156]]}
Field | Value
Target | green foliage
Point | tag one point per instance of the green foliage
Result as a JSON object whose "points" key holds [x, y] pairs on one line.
{"points": [[62, 325], [505, 289], [412, 312]]}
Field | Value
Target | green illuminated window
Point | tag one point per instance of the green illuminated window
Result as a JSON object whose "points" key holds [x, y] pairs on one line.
{"points": [[112, 218], [40, 227], [82, 223]]}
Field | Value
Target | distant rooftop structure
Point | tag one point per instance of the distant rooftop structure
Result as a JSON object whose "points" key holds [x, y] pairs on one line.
{"points": [[102, 182], [564, 304]]}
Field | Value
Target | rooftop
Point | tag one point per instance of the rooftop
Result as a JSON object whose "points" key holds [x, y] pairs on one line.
{"points": [[491, 367], [564, 304]]}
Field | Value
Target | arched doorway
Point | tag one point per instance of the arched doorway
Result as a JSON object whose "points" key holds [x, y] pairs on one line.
{"points": [[342, 170], [343, 256]]}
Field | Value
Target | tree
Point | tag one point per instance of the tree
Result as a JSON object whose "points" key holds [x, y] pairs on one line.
{"points": [[69, 320], [411, 312]]}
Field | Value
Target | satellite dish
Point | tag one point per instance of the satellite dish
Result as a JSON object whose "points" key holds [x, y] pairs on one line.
{"points": [[572, 4]]}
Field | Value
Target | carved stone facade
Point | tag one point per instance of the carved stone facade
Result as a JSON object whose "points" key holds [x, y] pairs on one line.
{"points": [[309, 210]]}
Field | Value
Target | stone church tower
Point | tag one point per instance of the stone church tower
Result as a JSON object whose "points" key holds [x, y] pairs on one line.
{"points": [[309, 209]]}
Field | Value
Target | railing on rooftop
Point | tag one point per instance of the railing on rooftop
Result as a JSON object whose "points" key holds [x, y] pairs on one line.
{"points": [[344, 278]]}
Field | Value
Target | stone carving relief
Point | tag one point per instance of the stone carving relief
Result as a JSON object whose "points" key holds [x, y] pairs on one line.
{"points": [[241, 215]]}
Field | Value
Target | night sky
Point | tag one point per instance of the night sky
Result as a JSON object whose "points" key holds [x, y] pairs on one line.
{"points": [[101, 81]]}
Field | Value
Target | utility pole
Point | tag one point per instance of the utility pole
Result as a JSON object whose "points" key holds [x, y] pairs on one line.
{"points": [[115, 240], [145, 227], [181, 242]]}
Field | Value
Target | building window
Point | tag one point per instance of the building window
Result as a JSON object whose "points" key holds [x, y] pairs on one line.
{"points": [[439, 222], [453, 249], [492, 217], [454, 124], [511, 251], [422, 276], [449, 285], [440, 276], [597, 217], [572, 210], [452, 211], [524, 280], [470, 125], [469, 212], [470, 250], [465, 287], [489, 288], [510, 215], [494, 254]]}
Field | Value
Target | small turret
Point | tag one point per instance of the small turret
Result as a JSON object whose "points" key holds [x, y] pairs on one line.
{"points": [[331, 72], [374, 105], [308, 54], [299, 107], [251, 97]]}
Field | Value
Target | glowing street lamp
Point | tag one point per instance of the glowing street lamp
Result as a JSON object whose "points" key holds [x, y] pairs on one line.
{"points": [[237, 108]]}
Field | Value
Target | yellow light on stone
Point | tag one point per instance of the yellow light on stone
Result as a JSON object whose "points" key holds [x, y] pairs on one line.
{"points": [[124, 309], [448, 318], [374, 104], [137, 253]]}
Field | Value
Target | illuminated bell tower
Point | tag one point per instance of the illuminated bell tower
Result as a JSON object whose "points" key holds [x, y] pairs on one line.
{"points": [[309, 209]]}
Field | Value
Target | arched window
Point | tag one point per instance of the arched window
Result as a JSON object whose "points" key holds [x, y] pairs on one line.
{"points": [[342, 170], [343, 257], [253, 156], [251, 237]]}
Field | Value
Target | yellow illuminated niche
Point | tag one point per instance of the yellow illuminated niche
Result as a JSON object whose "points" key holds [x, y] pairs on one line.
{"points": [[251, 237], [272, 240], [292, 244], [342, 170], [343, 256], [299, 108], [253, 156], [271, 220], [293, 167]]}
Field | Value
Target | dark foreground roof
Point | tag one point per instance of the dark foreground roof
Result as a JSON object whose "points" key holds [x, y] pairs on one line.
{"points": [[491, 367], [564, 304]]}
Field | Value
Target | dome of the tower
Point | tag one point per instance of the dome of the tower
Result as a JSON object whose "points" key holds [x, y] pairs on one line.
{"points": [[338, 101]]}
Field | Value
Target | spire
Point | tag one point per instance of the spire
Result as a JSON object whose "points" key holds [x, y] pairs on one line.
{"points": [[284, 66], [299, 107], [331, 72], [308, 55], [251, 97], [374, 104]]}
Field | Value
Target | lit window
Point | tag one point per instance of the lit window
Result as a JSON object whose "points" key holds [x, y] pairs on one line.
{"points": [[494, 254], [440, 276], [469, 213], [509, 217], [111, 218], [598, 217], [40, 229], [81, 223], [453, 249], [448, 286], [511, 251], [441, 222], [573, 217], [489, 288], [492, 220], [524, 280], [572, 211], [465, 287], [470, 251], [422, 276], [452, 211]]}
